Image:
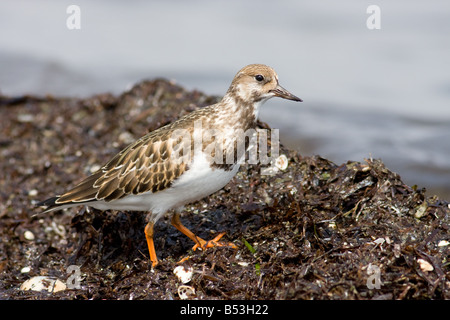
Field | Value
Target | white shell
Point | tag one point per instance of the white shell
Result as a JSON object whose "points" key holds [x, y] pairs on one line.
{"points": [[184, 274], [43, 283], [185, 292], [281, 162]]}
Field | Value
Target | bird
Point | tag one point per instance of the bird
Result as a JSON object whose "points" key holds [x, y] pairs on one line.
{"points": [[167, 168]]}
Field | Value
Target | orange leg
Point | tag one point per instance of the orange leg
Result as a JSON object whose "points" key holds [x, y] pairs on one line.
{"points": [[199, 242], [151, 246]]}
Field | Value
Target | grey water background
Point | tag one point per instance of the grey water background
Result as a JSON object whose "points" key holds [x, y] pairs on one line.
{"points": [[367, 93]]}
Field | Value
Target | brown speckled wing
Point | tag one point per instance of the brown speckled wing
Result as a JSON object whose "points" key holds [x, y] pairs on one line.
{"points": [[151, 163]]}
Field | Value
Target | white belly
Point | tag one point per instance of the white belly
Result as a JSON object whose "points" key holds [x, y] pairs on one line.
{"points": [[198, 182]]}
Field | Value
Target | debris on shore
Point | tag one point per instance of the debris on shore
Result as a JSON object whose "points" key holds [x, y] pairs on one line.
{"points": [[311, 230]]}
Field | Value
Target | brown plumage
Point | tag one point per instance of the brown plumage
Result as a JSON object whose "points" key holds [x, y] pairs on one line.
{"points": [[163, 170]]}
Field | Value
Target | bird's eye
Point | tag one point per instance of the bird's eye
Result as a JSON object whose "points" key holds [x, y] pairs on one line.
{"points": [[259, 78]]}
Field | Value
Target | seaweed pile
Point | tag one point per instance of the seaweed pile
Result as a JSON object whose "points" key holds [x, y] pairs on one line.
{"points": [[311, 230]]}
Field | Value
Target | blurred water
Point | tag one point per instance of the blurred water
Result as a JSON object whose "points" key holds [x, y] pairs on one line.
{"points": [[381, 93]]}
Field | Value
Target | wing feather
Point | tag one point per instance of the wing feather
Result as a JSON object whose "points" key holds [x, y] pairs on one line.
{"points": [[143, 166]]}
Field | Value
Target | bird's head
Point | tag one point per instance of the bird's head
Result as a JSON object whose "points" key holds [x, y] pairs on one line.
{"points": [[258, 83]]}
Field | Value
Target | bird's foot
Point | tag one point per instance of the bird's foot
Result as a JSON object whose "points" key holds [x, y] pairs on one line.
{"points": [[203, 244]]}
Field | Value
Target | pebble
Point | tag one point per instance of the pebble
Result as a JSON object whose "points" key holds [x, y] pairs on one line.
{"points": [[397, 250], [243, 263], [443, 243], [293, 190], [126, 137], [94, 168], [25, 117], [28, 235], [425, 265], [25, 270], [58, 229], [421, 210], [43, 283]]}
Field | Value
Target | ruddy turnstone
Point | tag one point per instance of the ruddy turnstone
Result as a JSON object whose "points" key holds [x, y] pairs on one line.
{"points": [[167, 168]]}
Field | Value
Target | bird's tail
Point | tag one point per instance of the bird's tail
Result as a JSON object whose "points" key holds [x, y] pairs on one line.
{"points": [[52, 205]]}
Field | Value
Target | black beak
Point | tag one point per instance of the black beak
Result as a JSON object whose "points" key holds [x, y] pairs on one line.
{"points": [[281, 92]]}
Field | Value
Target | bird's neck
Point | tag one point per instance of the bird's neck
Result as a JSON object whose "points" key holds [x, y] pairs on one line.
{"points": [[241, 113]]}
